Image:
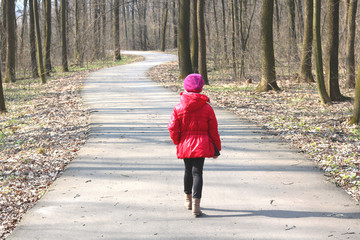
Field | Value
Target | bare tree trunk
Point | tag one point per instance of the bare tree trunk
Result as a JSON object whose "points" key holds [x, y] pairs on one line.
{"points": [[233, 49], [350, 41], [125, 24], [278, 19], [96, 30], [38, 41], [194, 37], [133, 24], [202, 40], [324, 98], [164, 23], [64, 61], [306, 65], [293, 51], [57, 14], [3, 31], [23, 25], [48, 37], [103, 38], [332, 76], [245, 28], [34, 67], [224, 29], [355, 119], [2, 98], [268, 75], [116, 29], [175, 24], [11, 46], [76, 32], [145, 37], [183, 40]]}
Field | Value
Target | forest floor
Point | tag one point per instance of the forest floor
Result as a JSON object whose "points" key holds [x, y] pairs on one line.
{"points": [[295, 114], [41, 132]]}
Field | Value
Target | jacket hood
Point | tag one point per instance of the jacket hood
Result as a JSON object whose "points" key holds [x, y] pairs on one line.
{"points": [[193, 101]]}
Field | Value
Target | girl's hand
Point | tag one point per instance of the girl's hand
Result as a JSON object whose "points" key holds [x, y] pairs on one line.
{"points": [[215, 157]]}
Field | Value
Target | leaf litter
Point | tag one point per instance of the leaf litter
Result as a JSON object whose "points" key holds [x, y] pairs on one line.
{"points": [[39, 136], [295, 114]]}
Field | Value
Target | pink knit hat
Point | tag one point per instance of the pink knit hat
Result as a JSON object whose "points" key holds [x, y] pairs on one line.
{"points": [[193, 83]]}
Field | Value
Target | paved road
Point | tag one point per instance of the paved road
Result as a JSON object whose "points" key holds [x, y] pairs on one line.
{"points": [[127, 184]]}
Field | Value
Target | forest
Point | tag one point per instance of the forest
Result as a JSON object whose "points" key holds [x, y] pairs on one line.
{"points": [[258, 58]]}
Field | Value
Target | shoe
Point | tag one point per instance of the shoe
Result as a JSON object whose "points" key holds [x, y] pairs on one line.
{"points": [[196, 207], [188, 202]]}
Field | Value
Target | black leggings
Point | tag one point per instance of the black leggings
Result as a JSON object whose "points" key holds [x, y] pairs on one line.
{"points": [[193, 179]]}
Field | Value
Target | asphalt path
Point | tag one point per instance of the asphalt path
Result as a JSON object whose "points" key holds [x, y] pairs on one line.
{"points": [[126, 182]]}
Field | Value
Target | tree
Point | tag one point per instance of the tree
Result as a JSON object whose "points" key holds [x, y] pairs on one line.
{"points": [[324, 98], [224, 28], [11, 47], [64, 61], [133, 23], [38, 42], [2, 98], [350, 41], [183, 39], [293, 53], [116, 29], [233, 39], [332, 63], [3, 31], [202, 40], [245, 26], [194, 37], [164, 23], [268, 75], [125, 23], [305, 74], [355, 119], [48, 36], [23, 25], [175, 24], [32, 39], [76, 34]]}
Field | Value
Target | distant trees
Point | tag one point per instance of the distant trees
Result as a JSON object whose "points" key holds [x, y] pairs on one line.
{"points": [[234, 34]]}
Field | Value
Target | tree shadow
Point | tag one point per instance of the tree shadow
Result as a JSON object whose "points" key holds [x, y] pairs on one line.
{"points": [[226, 213]]}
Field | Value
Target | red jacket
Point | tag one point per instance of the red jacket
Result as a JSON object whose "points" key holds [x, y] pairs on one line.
{"points": [[193, 127]]}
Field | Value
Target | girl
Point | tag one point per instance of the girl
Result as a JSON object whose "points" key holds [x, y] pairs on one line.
{"points": [[193, 128]]}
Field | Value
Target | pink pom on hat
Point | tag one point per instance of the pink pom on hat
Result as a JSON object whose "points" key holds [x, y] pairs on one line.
{"points": [[193, 83]]}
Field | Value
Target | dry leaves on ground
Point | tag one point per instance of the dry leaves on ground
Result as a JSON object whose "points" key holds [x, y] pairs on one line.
{"points": [[38, 139], [295, 114]]}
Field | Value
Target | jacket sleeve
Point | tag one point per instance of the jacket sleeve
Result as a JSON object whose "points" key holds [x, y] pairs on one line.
{"points": [[213, 130], [174, 128]]}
